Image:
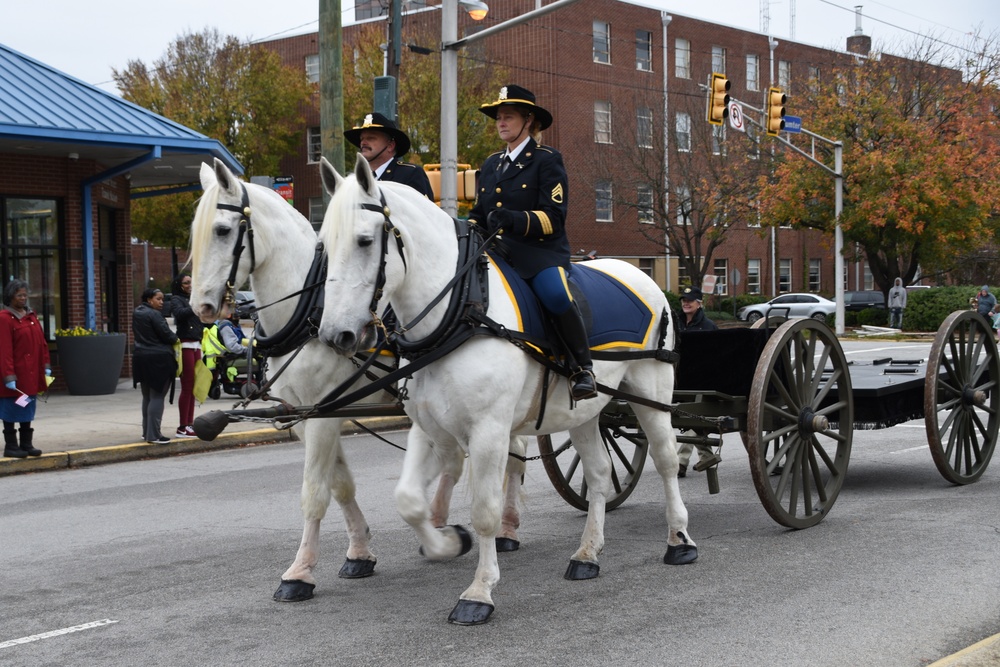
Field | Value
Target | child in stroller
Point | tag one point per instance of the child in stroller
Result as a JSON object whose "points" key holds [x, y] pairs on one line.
{"points": [[225, 350]]}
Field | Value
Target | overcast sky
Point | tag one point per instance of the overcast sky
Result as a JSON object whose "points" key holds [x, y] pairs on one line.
{"points": [[86, 38]]}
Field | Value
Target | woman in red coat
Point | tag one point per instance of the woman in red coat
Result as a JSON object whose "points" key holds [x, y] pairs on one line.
{"points": [[24, 363]]}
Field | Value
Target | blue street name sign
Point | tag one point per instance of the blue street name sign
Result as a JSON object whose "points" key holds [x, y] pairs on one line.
{"points": [[793, 124]]}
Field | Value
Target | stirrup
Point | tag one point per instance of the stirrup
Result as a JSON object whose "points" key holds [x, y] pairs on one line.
{"points": [[583, 384]]}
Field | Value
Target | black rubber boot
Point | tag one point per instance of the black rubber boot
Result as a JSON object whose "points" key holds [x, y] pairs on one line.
{"points": [[10, 447], [27, 434], [583, 385]]}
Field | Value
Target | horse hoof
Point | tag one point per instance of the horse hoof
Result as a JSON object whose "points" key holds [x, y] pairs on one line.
{"points": [[463, 535], [293, 590], [579, 570], [682, 554], [357, 568], [507, 544], [470, 612]]}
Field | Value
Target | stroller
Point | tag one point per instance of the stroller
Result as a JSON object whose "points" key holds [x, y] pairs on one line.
{"points": [[235, 374]]}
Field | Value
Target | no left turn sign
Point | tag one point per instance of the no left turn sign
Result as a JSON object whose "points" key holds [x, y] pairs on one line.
{"points": [[736, 120]]}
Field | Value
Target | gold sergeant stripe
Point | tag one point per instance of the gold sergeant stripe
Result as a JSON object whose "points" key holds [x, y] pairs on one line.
{"points": [[543, 218]]}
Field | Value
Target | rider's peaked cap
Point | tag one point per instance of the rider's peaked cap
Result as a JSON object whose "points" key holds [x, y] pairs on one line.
{"points": [[376, 121], [518, 96]]}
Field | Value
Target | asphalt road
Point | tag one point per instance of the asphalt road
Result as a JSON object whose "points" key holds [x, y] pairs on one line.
{"points": [[173, 562]]}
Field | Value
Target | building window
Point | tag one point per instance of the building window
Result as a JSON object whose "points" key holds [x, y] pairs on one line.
{"points": [[784, 74], [682, 59], [644, 127], [30, 244], [644, 50], [603, 201], [316, 211], [312, 68], [784, 275], [602, 122], [753, 72], [869, 281], [683, 206], [814, 275], [646, 266], [718, 139], [721, 271], [682, 131], [813, 78], [314, 145], [753, 276], [602, 42], [368, 9], [718, 59], [644, 203]]}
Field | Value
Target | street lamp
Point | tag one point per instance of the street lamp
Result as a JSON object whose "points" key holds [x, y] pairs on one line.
{"points": [[477, 10]]}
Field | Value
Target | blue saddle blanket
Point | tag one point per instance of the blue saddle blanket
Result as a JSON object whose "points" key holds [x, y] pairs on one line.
{"points": [[616, 317]]}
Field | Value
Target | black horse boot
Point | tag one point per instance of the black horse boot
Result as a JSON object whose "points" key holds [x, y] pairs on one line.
{"points": [[10, 447], [26, 436], [574, 334]]}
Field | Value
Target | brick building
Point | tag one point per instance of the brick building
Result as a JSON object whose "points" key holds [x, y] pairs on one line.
{"points": [[622, 79]]}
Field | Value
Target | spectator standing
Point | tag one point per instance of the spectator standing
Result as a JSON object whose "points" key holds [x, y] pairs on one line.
{"points": [[189, 329], [897, 303], [154, 364], [24, 362], [985, 302], [692, 319]]}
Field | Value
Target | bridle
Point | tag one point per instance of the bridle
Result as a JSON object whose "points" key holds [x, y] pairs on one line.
{"points": [[245, 229]]}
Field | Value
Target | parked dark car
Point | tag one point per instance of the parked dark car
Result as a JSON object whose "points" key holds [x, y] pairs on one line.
{"points": [[245, 305], [860, 300]]}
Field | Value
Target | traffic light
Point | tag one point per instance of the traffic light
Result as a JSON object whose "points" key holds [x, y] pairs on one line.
{"points": [[718, 98], [774, 110]]}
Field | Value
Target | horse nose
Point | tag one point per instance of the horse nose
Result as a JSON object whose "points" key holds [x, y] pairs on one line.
{"points": [[207, 313], [342, 341]]}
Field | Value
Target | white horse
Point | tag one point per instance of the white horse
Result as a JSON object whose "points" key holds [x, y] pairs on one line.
{"points": [[486, 388], [277, 258]]}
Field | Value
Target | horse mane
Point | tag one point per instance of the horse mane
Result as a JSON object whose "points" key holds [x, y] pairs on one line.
{"points": [[201, 226]]}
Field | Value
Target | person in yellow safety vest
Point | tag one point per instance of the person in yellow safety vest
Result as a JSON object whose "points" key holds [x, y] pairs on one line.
{"points": [[223, 338]]}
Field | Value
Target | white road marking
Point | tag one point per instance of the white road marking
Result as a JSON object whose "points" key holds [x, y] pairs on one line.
{"points": [[909, 449], [56, 633]]}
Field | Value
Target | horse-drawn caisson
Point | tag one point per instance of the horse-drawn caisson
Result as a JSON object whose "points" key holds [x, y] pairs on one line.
{"points": [[472, 372]]}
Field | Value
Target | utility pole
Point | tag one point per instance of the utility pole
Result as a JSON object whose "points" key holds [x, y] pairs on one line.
{"points": [[395, 48], [331, 84]]}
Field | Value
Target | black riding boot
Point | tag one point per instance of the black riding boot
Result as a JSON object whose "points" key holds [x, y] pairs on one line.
{"points": [[10, 447], [27, 434], [574, 334]]}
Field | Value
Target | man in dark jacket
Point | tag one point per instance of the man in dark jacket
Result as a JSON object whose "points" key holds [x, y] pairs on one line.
{"points": [[382, 144], [692, 319]]}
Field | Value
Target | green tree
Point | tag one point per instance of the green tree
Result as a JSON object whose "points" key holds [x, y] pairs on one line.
{"points": [[920, 146], [237, 93]]}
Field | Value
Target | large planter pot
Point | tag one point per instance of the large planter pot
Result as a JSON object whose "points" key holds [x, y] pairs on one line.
{"points": [[91, 365]]}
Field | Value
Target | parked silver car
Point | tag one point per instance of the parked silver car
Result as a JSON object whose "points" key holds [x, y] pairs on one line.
{"points": [[790, 305]]}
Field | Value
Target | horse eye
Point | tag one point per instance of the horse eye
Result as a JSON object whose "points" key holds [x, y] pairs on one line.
{"points": [[364, 241], [222, 230]]}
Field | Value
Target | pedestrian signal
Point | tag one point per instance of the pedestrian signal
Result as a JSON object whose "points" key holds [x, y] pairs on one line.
{"points": [[718, 98], [774, 110]]}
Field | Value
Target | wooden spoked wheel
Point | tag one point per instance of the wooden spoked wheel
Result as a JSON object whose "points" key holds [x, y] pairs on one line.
{"points": [[627, 446], [800, 423], [961, 397]]}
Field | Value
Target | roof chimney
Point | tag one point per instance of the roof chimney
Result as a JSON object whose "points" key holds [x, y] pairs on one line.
{"points": [[859, 42]]}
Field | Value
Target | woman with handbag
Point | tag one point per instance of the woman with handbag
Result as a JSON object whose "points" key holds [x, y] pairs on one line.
{"points": [[154, 364]]}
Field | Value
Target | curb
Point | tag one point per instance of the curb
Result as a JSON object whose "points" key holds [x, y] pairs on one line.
{"points": [[92, 456]]}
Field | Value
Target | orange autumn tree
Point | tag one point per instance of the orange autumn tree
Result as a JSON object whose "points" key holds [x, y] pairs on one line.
{"points": [[920, 146]]}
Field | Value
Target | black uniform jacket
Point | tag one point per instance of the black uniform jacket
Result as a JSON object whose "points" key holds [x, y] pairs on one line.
{"points": [[535, 183], [410, 174]]}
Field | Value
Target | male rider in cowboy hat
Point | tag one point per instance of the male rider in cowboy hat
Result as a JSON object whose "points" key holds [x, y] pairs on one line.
{"points": [[382, 144], [522, 191]]}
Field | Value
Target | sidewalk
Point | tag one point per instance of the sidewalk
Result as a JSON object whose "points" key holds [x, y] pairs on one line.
{"points": [[75, 431]]}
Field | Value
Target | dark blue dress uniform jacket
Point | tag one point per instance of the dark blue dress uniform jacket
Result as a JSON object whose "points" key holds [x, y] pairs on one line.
{"points": [[535, 183], [409, 174]]}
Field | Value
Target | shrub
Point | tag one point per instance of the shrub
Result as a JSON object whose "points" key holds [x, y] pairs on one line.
{"points": [[926, 309]]}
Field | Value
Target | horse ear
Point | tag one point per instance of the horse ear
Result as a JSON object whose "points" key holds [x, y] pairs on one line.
{"points": [[366, 178], [331, 179], [207, 176], [227, 180]]}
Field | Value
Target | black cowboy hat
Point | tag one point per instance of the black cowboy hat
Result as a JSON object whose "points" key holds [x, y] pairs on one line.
{"points": [[376, 121], [511, 94]]}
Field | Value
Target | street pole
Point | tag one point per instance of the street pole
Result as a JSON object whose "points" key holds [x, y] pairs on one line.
{"points": [[838, 234], [450, 43], [331, 88]]}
